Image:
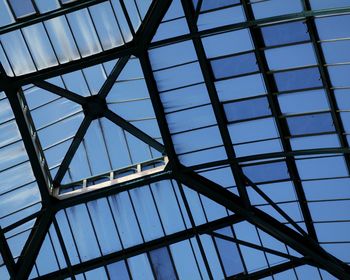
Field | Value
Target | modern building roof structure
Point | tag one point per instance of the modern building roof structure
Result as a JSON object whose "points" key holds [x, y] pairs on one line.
{"points": [[175, 139]]}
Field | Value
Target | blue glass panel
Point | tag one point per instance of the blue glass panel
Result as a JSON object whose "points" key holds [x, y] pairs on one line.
{"points": [[324, 4], [169, 55], [140, 267], [298, 79], [227, 43], [221, 17], [336, 52], [267, 171], [162, 265], [253, 130], [327, 167], [171, 29], [118, 271], [179, 76], [5, 13], [247, 109], [103, 223], [126, 221], [169, 210], [83, 232], [47, 5], [309, 124], [210, 4], [285, 33], [264, 9], [290, 57], [333, 27], [339, 75], [234, 65], [240, 87], [22, 8], [184, 260], [305, 101], [146, 213]]}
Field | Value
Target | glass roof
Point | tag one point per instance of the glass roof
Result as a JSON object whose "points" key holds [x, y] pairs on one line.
{"points": [[174, 139]]}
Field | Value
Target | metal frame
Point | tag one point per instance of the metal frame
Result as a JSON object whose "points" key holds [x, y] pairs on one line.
{"points": [[305, 244]]}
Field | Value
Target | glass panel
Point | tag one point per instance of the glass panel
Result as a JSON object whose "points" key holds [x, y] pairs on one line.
{"points": [[209, 4], [62, 39], [306, 101], [298, 79], [22, 8], [227, 43], [290, 57], [118, 271], [84, 32], [234, 65], [247, 109], [17, 52], [162, 265], [264, 9], [221, 17], [266, 172], [39, 46], [308, 124], [285, 33], [5, 13]]}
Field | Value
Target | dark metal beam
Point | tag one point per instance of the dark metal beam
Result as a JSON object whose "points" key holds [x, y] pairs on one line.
{"points": [[113, 117], [78, 138], [304, 245], [159, 109], [274, 205], [33, 244], [145, 247], [6, 254], [61, 92], [281, 123], [31, 143], [327, 83], [108, 84], [216, 104]]}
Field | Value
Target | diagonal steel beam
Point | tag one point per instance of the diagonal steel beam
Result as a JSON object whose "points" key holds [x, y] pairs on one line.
{"points": [[133, 130], [281, 123], [274, 205], [254, 246], [33, 244], [304, 245], [108, 84], [216, 105], [72, 150], [6, 254], [31, 143], [61, 92]]}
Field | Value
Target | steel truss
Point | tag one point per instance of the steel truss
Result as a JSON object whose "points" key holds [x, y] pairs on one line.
{"points": [[305, 244]]}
